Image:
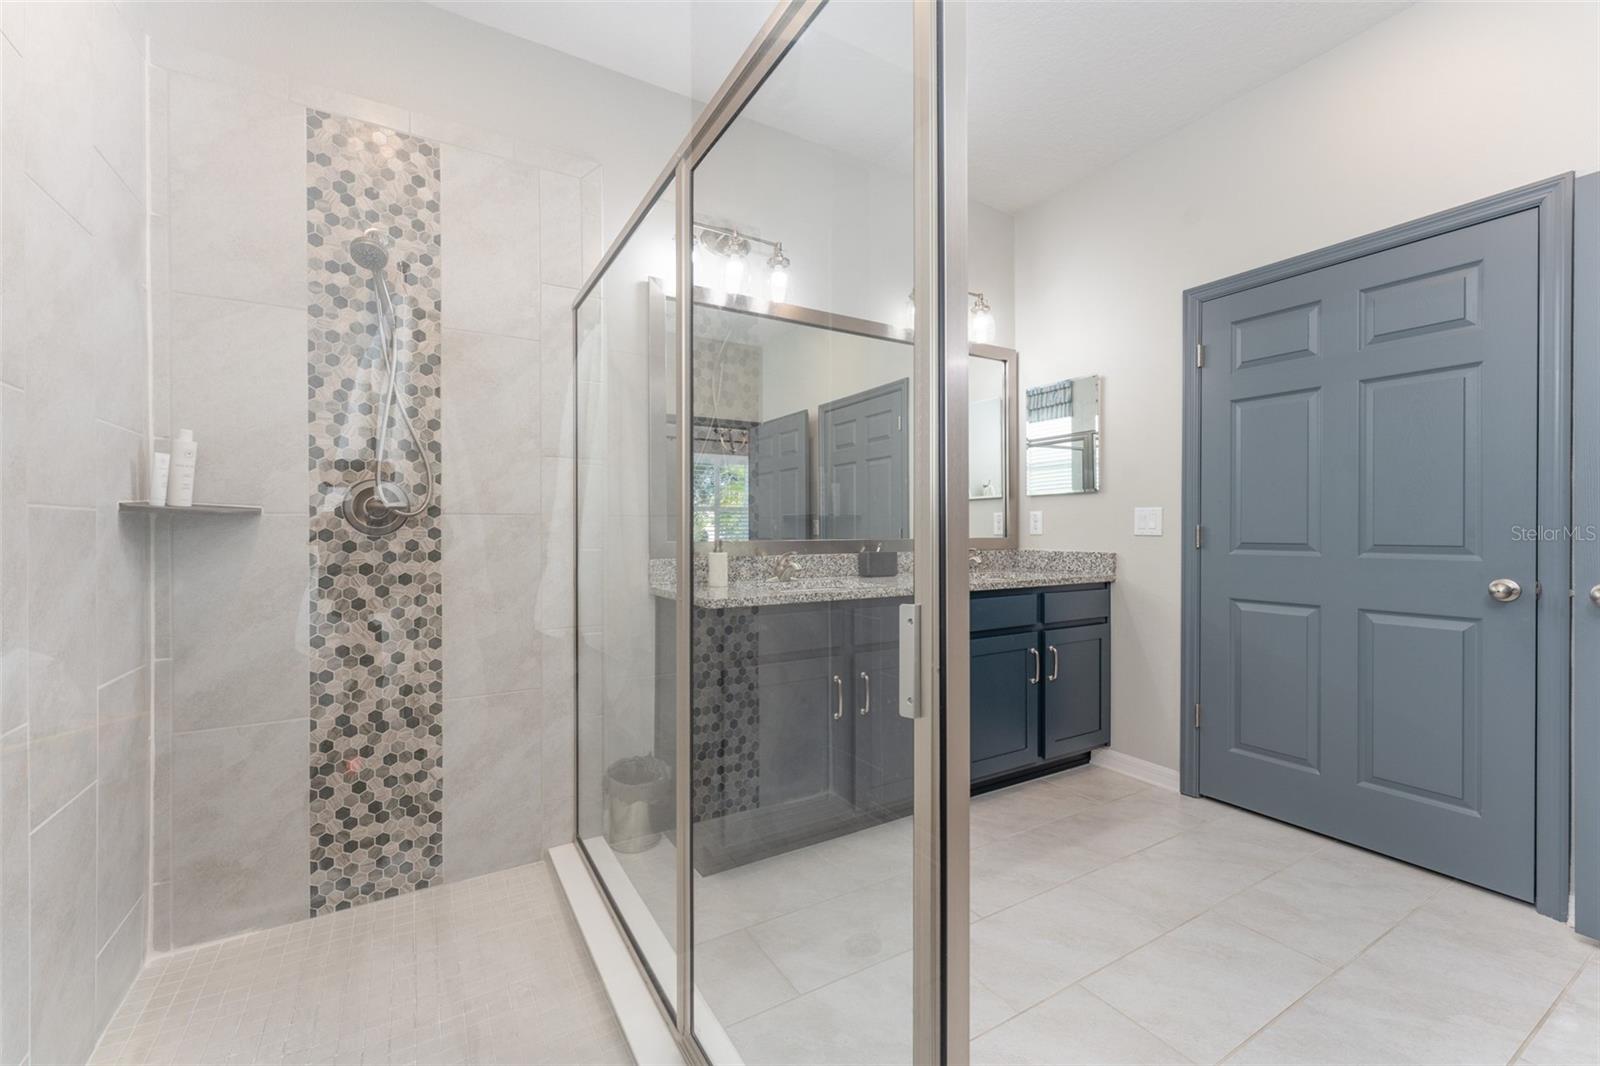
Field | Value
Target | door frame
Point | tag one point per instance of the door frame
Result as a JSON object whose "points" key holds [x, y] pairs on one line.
{"points": [[1552, 198], [1586, 558]]}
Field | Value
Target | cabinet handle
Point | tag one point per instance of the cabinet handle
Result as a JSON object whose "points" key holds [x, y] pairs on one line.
{"points": [[866, 708], [838, 697], [1055, 664], [1037, 661]]}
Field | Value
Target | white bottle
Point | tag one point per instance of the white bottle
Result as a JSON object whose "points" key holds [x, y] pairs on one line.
{"points": [[180, 477], [160, 467]]}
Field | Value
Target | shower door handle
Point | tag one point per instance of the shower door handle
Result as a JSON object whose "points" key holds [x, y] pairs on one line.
{"points": [[910, 660], [838, 697]]}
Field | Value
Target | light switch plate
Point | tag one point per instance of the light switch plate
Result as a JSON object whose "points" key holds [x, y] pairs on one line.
{"points": [[998, 525], [1147, 521], [1036, 522]]}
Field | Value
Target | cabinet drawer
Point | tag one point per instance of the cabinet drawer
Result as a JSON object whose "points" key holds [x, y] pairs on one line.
{"points": [[1003, 612], [808, 629], [1076, 605], [875, 622]]}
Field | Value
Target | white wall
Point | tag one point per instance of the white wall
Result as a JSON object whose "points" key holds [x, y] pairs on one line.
{"points": [[74, 571], [468, 84], [1439, 105]]}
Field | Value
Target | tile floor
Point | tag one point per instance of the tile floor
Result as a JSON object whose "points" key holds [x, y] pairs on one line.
{"points": [[490, 970], [1112, 922], [1115, 922]]}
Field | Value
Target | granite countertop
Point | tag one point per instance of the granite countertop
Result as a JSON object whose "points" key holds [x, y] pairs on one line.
{"points": [[829, 578]]}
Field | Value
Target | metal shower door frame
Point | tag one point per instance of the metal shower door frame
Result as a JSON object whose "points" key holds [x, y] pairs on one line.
{"points": [[941, 589]]}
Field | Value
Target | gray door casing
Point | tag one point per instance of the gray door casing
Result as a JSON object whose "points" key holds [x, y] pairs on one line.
{"points": [[1586, 557], [863, 455], [1388, 290], [780, 475]]}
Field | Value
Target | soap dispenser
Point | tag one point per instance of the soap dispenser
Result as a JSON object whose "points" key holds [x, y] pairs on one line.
{"points": [[717, 566]]}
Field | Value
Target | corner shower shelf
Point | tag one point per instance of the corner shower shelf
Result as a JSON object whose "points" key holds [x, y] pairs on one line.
{"points": [[198, 508]]}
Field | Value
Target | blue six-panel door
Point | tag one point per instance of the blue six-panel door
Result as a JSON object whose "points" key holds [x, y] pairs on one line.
{"points": [[1368, 466]]}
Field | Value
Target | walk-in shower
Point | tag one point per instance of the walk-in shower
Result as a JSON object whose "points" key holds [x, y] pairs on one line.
{"points": [[378, 506]]}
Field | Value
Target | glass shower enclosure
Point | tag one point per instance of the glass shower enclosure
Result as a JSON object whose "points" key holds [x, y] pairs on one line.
{"points": [[771, 417]]}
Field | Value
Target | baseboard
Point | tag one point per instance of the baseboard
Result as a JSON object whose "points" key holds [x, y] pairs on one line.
{"points": [[647, 1032], [1148, 772]]}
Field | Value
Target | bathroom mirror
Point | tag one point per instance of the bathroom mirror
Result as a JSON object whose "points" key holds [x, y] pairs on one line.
{"points": [[803, 427], [1063, 437], [991, 457]]}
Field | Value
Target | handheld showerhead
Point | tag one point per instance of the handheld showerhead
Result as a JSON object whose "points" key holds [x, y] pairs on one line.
{"points": [[377, 506], [370, 251]]}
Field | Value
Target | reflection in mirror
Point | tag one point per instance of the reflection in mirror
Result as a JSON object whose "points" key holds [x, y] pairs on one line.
{"points": [[1063, 452], [803, 425], [987, 447]]}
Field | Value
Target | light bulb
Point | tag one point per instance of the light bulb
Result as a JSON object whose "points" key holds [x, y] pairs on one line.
{"points": [[704, 276], [733, 272], [983, 327], [980, 321], [778, 276]]}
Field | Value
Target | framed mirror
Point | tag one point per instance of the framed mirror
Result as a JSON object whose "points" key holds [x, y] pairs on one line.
{"points": [[1063, 442], [803, 428], [992, 461]]}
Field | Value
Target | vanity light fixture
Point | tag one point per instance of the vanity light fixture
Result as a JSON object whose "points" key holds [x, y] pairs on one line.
{"points": [[734, 248], [980, 320]]}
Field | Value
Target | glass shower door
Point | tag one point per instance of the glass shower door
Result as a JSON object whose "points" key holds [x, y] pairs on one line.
{"points": [[627, 506], [771, 408], [813, 439]]}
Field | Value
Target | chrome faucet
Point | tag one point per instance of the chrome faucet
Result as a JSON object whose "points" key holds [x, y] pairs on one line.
{"points": [[974, 559], [785, 567]]}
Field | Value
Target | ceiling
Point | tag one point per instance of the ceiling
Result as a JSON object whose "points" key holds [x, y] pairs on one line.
{"points": [[1056, 91]]}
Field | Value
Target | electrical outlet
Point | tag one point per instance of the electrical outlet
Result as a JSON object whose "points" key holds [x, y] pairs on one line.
{"points": [[1147, 521], [998, 525], [1036, 522]]}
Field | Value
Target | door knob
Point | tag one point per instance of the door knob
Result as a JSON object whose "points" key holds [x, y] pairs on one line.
{"points": [[1594, 595], [1504, 589]]}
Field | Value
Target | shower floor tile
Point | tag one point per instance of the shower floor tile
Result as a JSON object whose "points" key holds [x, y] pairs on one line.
{"points": [[489, 970]]}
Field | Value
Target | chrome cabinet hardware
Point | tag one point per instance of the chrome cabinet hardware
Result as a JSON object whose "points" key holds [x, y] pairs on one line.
{"points": [[1594, 595], [1037, 663], [838, 697], [1504, 590], [866, 682], [1055, 663]]}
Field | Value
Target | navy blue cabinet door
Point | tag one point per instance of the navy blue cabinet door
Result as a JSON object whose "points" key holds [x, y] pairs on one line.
{"points": [[1007, 678], [1076, 689], [883, 738]]}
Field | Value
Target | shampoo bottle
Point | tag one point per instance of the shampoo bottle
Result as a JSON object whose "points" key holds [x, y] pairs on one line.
{"points": [[180, 476]]}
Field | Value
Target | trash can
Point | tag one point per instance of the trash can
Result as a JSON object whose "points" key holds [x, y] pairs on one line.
{"points": [[635, 786]]}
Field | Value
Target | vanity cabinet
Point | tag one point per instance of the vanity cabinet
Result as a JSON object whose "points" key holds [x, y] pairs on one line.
{"points": [[797, 730], [1041, 673]]}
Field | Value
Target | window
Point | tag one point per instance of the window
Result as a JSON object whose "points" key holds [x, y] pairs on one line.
{"points": [[721, 497]]}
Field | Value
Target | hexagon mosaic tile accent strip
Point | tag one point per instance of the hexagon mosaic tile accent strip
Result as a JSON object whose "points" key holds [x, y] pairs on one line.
{"points": [[376, 618]]}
